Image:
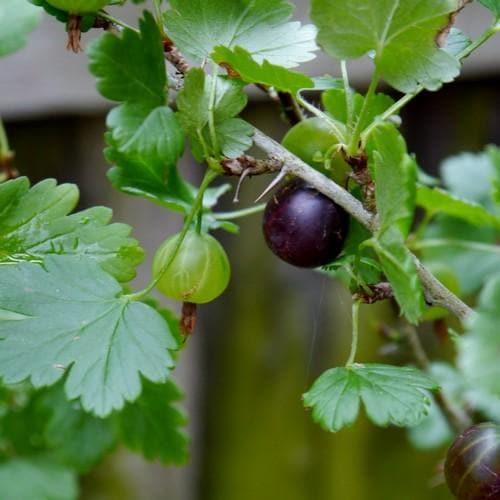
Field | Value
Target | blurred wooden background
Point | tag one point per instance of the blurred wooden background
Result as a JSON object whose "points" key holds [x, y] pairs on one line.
{"points": [[260, 345]]}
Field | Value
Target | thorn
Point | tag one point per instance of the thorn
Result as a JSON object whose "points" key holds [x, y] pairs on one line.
{"points": [[244, 174], [274, 182]]}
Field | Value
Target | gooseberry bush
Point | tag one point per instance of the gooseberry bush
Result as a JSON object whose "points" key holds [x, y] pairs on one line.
{"points": [[86, 362]]}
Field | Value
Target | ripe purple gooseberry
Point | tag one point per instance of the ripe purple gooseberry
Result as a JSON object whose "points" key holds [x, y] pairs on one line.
{"points": [[472, 466], [304, 227]]}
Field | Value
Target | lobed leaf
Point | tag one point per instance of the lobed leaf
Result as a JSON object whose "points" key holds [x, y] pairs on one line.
{"points": [[152, 425], [402, 34], [34, 223], [71, 318], [250, 71], [258, 26], [390, 394]]}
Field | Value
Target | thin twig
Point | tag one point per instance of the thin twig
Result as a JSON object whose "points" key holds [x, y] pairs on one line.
{"points": [[435, 292]]}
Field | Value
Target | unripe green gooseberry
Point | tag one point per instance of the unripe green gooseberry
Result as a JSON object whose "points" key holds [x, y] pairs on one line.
{"points": [[198, 273], [79, 6]]}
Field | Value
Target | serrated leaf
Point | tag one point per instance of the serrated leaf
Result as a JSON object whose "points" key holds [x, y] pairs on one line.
{"points": [[399, 266], [258, 26], [436, 200], [18, 19], [395, 176], [390, 394], [479, 347], [402, 33], [233, 135], [77, 322], [34, 224], [77, 439], [493, 5], [335, 104], [36, 479], [152, 425], [250, 71], [131, 67]]}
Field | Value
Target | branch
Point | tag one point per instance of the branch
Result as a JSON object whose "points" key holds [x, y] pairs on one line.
{"points": [[435, 293]]}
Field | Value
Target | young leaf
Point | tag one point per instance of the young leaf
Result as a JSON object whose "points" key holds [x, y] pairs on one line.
{"points": [[399, 267], [335, 104], [70, 317], [402, 33], [17, 20], [36, 479], [436, 200], [390, 394], [479, 348], [258, 26], [152, 425], [130, 67], [34, 224], [76, 438], [233, 136], [395, 176], [266, 73]]}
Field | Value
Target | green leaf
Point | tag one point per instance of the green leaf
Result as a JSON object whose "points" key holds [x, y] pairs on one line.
{"points": [[131, 67], [395, 176], [77, 439], [34, 224], [493, 5], [436, 200], [469, 175], [152, 425], [17, 20], [233, 135], [335, 104], [402, 34], [479, 347], [250, 71], [258, 26], [36, 479], [74, 320], [494, 155], [399, 266], [390, 394], [456, 42], [471, 251]]}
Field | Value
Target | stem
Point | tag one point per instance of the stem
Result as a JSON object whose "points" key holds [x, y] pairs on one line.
{"points": [[456, 416], [354, 341], [158, 15], [238, 214], [116, 21], [462, 244], [317, 112], [211, 107], [210, 175], [5, 151], [354, 143], [348, 95], [435, 292]]}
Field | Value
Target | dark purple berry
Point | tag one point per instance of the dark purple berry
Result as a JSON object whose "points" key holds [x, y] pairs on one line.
{"points": [[472, 466], [304, 227]]}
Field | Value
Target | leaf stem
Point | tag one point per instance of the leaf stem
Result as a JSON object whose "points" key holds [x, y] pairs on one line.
{"points": [[210, 175], [116, 21], [355, 332], [211, 109], [158, 15], [317, 112], [348, 94], [238, 214]]}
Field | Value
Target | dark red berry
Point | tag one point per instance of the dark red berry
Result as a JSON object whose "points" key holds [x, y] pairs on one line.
{"points": [[472, 466], [304, 227]]}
